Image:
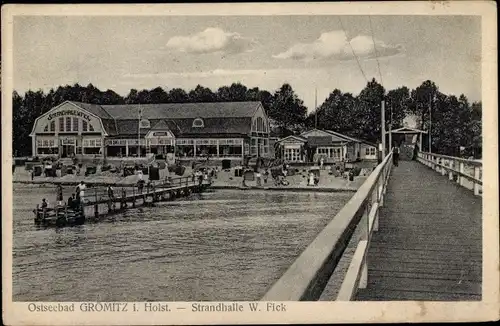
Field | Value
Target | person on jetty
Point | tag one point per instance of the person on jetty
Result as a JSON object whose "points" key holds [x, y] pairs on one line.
{"points": [[45, 203], [321, 162], [140, 182], [111, 194], [80, 192], [395, 155], [72, 201], [311, 179], [59, 195], [266, 175]]}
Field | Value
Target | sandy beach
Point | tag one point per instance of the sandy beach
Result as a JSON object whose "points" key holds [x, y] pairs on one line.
{"points": [[225, 179]]}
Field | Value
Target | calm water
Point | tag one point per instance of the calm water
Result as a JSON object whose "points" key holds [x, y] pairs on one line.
{"points": [[220, 245]]}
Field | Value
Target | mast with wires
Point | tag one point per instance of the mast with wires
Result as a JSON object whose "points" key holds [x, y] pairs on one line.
{"points": [[316, 108]]}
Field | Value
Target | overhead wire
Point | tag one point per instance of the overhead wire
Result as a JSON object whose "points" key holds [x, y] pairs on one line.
{"points": [[376, 52], [353, 53]]}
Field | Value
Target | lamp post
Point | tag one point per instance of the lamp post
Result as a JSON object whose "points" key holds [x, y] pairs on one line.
{"points": [[430, 123], [139, 133]]}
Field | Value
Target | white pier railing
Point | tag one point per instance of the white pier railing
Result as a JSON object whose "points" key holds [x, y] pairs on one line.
{"points": [[466, 173], [307, 277]]}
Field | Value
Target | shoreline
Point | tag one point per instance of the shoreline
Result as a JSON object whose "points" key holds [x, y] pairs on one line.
{"points": [[221, 187]]}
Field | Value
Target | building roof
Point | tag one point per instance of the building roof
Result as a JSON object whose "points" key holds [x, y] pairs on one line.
{"points": [[220, 118], [93, 108], [293, 137], [337, 137], [182, 110], [319, 141], [184, 127], [407, 130]]}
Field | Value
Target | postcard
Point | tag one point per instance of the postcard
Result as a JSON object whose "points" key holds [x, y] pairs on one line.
{"points": [[250, 163]]}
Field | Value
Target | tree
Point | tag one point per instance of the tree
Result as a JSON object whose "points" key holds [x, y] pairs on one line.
{"points": [[287, 110], [202, 94], [368, 110], [397, 103], [234, 93], [177, 95]]}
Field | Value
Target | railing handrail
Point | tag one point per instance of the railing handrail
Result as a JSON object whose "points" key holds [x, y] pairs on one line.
{"points": [[471, 162], [436, 163], [306, 278]]}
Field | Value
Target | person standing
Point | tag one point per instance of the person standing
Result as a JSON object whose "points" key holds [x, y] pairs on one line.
{"points": [[71, 201], [395, 155], [82, 188], [59, 195]]}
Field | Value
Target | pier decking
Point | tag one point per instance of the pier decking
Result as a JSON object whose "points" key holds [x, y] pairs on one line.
{"points": [[428, 246]]}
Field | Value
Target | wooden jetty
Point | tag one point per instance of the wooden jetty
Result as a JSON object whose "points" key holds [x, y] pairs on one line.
{"points": [[97, 203]]}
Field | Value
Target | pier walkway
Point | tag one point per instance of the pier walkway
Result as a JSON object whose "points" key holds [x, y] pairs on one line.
{"points": [[428, 246], [411, 232]]}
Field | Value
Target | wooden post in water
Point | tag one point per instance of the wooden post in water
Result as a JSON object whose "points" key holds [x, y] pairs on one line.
{"points": [[133, 197], [122, 198], [96, 205]]}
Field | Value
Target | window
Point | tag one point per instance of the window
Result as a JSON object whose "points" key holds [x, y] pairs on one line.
{"points": [[292, 154], [61, 124], [198, 123], [90, 127], [372, 151], [46, 128], [52, 126], [75, 124], [84, 125], [68, 124], [367, 151]]}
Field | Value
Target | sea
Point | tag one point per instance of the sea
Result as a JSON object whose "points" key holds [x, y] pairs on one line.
{"points": [[221, 245]]}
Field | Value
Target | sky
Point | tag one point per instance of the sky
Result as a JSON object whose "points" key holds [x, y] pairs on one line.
{"points": [[308, 52]]}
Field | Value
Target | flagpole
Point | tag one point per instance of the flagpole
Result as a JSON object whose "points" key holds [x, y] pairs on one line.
{"points": [[430, 122], [139, 133], [316, 108]]}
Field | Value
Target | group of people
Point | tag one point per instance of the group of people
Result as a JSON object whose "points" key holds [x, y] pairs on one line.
{"points": [[74, 201], [205, 175]]}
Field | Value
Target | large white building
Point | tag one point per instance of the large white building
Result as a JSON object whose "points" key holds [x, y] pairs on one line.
{"points": [[188, 130]]}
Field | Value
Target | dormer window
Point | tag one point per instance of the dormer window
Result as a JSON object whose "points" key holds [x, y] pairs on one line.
{"points": [[198, 123]]}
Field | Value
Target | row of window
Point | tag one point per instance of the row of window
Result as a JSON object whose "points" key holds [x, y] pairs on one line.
{"points": [[47, 143], [261, 141], [259, 125], [370, 151], [68, 124], [263, 150], [292, 154]]}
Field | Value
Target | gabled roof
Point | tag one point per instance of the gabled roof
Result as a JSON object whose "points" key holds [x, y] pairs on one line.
{"points": [[293, 137], [183, 110], [160, 125], [408, 130]]}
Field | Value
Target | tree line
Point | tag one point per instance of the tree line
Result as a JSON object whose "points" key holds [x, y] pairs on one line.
{"points": [[455, 122]]}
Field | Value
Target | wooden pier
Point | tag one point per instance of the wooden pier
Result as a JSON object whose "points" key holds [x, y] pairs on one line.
{"points": [[97, 203]]}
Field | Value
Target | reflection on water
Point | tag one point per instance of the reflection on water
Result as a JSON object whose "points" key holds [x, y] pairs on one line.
{"points": [[219, 245]]}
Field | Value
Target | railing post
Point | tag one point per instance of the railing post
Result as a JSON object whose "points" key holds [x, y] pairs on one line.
{"points": [[444, 162], [477, 173], [363, 280], [461, 170], [452, 166]]}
